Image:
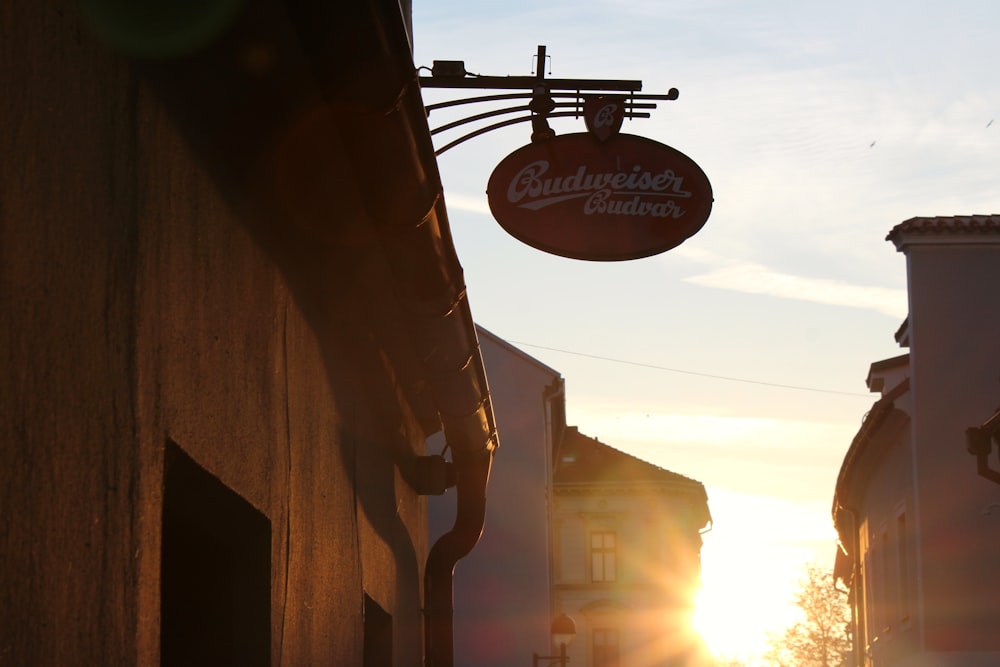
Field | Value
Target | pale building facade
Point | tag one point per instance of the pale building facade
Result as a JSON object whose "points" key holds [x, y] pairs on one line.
{"points": [[626, 544], [917, 513], [572, 526]]}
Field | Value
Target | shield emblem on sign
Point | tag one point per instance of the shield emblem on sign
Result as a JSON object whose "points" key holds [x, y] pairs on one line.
{"points": [[603, 115]]}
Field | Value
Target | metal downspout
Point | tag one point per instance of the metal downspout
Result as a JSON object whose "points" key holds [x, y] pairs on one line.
{"points": [[451, 547], [390, 140]]}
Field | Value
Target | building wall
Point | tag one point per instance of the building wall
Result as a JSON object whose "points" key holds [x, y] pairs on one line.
{"points": [[955, 357], [886, 523], [139, 318], [502, 589], [644, 609], [926, 521]]}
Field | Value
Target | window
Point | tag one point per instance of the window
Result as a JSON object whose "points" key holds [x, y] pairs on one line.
{"points": [[867, 622], [871, 623], [215, 600], [886, 599], [557, 531], [603, 556], [902, 567], [378, 635], [605, 647]]}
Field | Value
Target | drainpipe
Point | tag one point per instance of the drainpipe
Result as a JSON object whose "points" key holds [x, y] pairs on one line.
{"points": [[389, 138], [473, 475]]}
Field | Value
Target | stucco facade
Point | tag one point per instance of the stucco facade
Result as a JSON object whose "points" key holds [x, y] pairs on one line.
{"points": [[918, 523], [552, 490], [626, 548]]}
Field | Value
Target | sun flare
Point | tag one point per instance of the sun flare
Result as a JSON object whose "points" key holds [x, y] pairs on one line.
{"points": [[749, 576], [728, 624]]}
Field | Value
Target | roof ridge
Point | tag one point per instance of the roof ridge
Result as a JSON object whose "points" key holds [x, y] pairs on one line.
{"points": [[955, 224], [644, 461], [675, 476]]}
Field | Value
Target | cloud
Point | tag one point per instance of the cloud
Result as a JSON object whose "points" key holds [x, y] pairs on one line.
{"points": [[470, 203], [665, 430], [752, 278]]}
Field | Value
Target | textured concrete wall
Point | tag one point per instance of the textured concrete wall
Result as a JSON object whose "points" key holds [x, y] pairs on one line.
{"points": [[68, 435], [135, 309]]}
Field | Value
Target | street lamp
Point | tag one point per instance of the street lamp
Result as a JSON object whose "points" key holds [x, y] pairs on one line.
{"points": [[563, 631]]}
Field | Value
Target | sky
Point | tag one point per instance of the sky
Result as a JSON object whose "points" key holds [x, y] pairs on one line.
{"points": [[738, 358]]}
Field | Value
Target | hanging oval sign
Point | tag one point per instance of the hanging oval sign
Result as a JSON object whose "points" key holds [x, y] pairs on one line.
{"points": [[624, 198]]}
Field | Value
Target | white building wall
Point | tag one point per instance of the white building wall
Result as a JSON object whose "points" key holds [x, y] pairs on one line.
{"points": [[954, 292], [502, 589]]}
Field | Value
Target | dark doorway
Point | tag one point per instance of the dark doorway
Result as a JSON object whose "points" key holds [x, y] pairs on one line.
{"points": [[215, 573], [378, 635]]}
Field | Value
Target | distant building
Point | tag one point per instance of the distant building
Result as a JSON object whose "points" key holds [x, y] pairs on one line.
{"points": [[503, 588], [576, 527], [917, 502], [626, 554]]}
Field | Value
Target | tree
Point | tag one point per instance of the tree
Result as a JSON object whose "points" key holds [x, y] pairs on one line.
{"points": [[821, 638], [729, 662]]}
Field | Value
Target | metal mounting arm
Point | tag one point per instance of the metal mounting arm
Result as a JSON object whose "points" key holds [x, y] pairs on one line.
{"points": [[543, 96]]}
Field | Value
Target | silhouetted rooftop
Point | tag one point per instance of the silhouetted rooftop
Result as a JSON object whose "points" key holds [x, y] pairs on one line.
{"points": [[582, 459]]}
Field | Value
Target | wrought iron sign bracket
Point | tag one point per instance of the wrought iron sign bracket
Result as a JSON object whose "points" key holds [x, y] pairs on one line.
{"points": [[547, 98]]}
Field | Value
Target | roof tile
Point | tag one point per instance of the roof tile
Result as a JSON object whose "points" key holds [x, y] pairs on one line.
{"points": [[956, 224]]}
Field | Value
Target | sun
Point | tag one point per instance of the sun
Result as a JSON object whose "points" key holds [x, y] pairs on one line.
{"points": [[752, 561], [725, 623], [741, 601]]}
